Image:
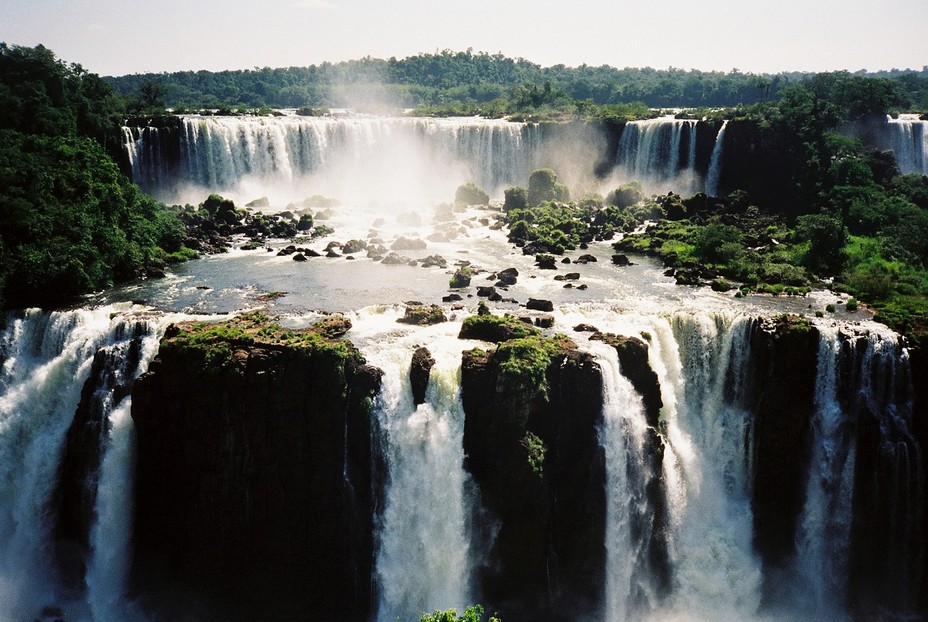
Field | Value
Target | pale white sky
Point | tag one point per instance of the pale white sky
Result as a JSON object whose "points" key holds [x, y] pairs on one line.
{"points": [[115, 37]]}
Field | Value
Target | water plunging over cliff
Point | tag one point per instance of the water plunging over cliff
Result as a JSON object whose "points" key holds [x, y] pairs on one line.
{"points": [[423, 557], [909, 140], [622, 437], [755, 426], [52, 542], [715, 162], [661, 153], [397, 157]]}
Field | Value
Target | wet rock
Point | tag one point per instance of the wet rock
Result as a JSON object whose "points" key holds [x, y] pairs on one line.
{"points": [[300, 257], [354, 246], [419, 370], [546, 262], [393, 259], [451, 298], [434, 261], [508, 276], [544, 321], [407, 244], [585, 328], [483, 292], [422, 315], [621, 260], [582, 259], [537, 304]]}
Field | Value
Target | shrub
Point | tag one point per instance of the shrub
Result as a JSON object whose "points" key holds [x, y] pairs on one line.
{"points": [[544, 186], [471, 194], [515, 198]]}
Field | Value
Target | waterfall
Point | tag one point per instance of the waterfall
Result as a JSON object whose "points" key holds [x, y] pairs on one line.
{"points": [[707, 468], [423, 557], [622, 438], [398, 156], [661, 153], [46, 363], [908, 138], [823, 538], [715, 162]]}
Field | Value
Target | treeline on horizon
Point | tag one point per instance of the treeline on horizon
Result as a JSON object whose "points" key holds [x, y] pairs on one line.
{"points": [[481, 82]]}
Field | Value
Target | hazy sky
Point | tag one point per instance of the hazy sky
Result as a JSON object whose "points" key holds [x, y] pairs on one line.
{"points": [[115, 37]]}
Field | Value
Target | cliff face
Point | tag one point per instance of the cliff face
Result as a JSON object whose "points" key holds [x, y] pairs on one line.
{"points": [[784, 369], [253, 491], [533, 451]]}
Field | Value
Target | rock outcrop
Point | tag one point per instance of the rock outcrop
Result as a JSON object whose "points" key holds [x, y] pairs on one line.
{"points": [[532, 409], [253, 491]]}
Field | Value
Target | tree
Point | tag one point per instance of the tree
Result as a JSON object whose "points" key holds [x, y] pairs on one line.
{"points": [[515, 198], [544, 186], [826, 236]]}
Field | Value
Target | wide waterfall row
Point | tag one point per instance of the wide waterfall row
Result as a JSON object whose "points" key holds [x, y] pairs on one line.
{"points": [[909, 140], [767, 475], [220, 153], [665, 154]]}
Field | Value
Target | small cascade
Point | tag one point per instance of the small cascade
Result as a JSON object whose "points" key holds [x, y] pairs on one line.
{"points": [[400, 157], [423, 558], [623, 441], [661, 153], [715, 162], [47, 363], [887, 545], [707, 465], [908, 138]]}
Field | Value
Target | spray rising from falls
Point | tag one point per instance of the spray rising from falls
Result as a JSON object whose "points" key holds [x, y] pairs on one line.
{"points": [[66, 477], [224, 153], [909, 140]]}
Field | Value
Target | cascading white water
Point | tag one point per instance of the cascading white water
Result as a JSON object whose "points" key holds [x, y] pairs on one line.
{"points": [[622, 438], [111, 534], [400, 156], [706, 467], [650, 151], [823, 538], [46, 359], [909, 140], [423, 558], [715, 162]]}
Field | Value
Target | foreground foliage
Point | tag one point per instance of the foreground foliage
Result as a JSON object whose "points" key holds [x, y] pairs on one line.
{"points": [[70, 221]]}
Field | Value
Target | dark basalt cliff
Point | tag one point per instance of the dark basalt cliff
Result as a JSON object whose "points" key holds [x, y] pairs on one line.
{"points": [[253, 490], [532, 449], [531, 438], [785, 355]]}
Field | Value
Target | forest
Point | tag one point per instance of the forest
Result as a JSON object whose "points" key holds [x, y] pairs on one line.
{"points": [[71, 222], [480, 83]]}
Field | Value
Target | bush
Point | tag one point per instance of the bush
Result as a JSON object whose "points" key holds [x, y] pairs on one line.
{"points": [[626, 195], [471, 194], [544, 186], [515, 198]]}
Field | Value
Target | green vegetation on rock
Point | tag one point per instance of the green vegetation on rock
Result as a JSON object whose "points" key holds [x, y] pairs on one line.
{"points": [[473, 613], [214, 343]]}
